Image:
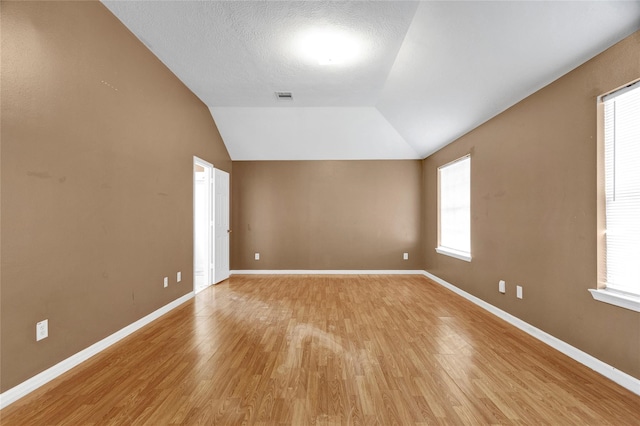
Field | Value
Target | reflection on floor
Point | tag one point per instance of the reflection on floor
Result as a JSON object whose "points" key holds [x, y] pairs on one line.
{"points": [[328, 350]]}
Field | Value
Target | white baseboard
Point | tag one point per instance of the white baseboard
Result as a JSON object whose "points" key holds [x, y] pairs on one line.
{"points": [[623, 379], [326, 272], [28, 386]]}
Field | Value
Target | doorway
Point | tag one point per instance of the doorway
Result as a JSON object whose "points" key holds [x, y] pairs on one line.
{"points": [[210, 225], [202, 225]]}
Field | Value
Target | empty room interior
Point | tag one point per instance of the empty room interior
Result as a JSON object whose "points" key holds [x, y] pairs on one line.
{"points": [[320, 212]]}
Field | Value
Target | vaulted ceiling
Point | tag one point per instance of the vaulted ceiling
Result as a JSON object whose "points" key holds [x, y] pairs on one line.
{"points": [[417, 75]]}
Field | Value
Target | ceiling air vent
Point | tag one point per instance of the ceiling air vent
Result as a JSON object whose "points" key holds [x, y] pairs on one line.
{"points": [[284, 96]]}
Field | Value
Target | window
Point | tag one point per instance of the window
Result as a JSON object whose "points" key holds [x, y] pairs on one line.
{"points": [[454, 209], [620, 247]]}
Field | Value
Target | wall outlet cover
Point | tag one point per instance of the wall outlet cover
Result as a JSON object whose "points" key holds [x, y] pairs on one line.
{"points": [[256, 256], [166, 281], [405, 256], [502, 286], [519, 292], [42, 330], [179, 277]]}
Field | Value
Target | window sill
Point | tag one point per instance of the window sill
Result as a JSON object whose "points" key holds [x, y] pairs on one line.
{"points": [[623, 300], [454, 253]]}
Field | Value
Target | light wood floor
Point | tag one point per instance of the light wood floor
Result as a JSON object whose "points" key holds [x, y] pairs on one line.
{"points": [[328, 350]]}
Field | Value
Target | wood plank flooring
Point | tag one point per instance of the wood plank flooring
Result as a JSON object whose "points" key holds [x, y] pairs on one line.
{"points": [[296, 350]]}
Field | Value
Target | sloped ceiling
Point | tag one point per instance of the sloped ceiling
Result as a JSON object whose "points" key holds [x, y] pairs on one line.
{"points": [[425, 73]]}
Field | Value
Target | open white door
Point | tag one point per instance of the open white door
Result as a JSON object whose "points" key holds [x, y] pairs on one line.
{"points": [[202, 224], [221, 228]]}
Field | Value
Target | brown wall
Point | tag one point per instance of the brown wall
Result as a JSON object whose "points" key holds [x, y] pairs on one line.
{"points": [[533, 209], [326, 214], [98, 139]]}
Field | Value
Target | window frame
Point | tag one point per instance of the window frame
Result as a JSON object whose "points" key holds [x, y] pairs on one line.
{"points": [[448, 251], [601, 293]]}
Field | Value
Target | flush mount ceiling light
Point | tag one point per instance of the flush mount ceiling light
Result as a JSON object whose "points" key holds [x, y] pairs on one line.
{"points": [[329, 46]]}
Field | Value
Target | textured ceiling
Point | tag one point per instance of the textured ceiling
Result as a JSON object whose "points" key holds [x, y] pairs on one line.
{"points": [[238, 53], [426, 72]]}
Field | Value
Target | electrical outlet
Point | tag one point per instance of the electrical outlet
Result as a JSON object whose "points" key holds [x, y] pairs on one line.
{"points": [[405, 256], [519, 292], [502, 287], [179, 277], [166, 281], [42, 330], [256, 256]]}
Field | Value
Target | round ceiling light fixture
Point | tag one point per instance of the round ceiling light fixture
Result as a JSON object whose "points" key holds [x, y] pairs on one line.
{"points": [[329, 46]]}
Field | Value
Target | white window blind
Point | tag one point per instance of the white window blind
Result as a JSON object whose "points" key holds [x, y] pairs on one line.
{"points": [[622, 189], [454, 180]]}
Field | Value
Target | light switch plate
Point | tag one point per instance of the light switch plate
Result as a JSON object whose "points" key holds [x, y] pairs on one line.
{"points": [[256, 256], [405, 256]]}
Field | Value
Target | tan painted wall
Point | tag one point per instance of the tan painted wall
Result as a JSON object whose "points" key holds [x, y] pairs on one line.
{"points": [[326, 214], [533, 208], [96, 163], [98, 139]]}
